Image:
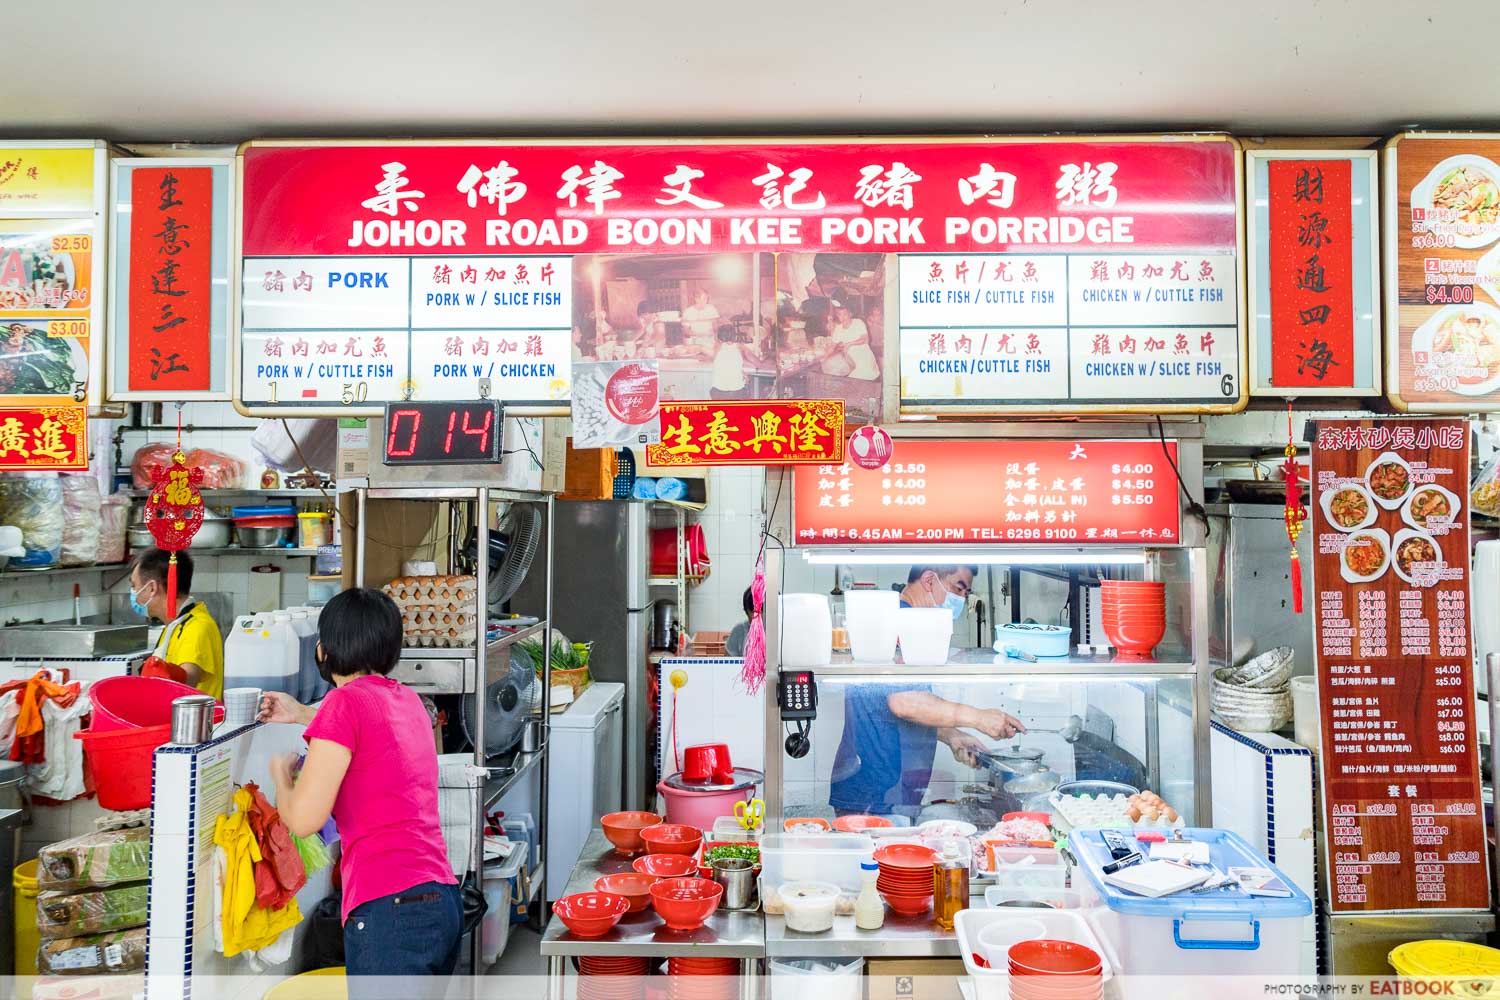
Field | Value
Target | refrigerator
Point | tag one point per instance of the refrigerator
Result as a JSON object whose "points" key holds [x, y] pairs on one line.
{"points": [[601, 562]]}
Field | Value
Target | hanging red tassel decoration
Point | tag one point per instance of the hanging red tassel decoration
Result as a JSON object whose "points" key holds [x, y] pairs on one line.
{"points": [[753, 673], [174, 513], [1295, 512]]}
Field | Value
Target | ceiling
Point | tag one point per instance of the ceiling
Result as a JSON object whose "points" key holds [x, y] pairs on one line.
{"points": [[211, 71]]}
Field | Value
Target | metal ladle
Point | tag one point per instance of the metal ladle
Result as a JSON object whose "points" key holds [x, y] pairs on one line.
{"points": [[1069, 730]]}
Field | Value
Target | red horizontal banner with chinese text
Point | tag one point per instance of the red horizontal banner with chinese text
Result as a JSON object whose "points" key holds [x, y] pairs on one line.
{"points": [[591, 197], [750, 432], [48, 437], [1312, 273], [966, 492], [171, 264]]}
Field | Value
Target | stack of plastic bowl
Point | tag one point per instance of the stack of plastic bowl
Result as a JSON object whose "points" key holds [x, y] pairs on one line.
{"points": [[1135, 615], [1055, 970], [612, 977], [871, 617], [691, 978], [906, 877], [924, 634], [1256, 696]]}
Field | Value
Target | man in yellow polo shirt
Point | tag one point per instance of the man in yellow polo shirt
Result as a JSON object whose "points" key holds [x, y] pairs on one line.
{"points": [[191, 642]]}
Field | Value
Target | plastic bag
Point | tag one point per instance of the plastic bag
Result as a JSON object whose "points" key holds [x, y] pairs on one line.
{"points": [[220, 471], [147, 457], [114, 518], [96, 860], [1484, 493], [33, 502], [61, 914], [122, 951], [81, 521]]}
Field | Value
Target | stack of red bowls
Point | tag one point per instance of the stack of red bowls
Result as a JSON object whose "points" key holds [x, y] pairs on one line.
{"points": [[702, 978], [905, 879], [1045, 969], [1135, 614], [612, 978]]}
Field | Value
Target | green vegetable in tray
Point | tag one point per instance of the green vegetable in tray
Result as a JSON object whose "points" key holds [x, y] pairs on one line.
{"points": [[745, 852]]}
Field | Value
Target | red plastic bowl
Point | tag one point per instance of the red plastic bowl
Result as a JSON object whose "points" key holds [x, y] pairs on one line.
{"points": [[909, 906], [905, 856], [672, 838], [632, 885], [623, 829], [591, 914], [1050, 957], [666, 865], [684, 903], [1135, 638]]}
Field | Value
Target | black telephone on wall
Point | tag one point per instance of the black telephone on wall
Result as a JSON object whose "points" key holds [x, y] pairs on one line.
{"points": [[797, 698]]}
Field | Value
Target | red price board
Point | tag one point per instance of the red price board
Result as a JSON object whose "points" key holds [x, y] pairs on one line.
{"points": [[968, 492], [47, 437], [1401, 799], [750, 432]]}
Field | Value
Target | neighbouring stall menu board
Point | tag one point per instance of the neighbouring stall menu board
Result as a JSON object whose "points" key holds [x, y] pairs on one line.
{"points": [[1403, 821], [1443, 272], [978, 491], [1102, 275]]}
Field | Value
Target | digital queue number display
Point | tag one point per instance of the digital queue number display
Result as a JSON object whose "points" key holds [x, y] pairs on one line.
{"points": [[443, 433]]}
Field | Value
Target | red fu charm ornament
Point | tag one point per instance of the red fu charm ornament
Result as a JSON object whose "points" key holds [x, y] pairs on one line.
{"points": [[1295, 512], [174, 513]]}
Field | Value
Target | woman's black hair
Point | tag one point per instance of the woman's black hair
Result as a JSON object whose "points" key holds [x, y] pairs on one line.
{"points": [[749, 604], [360, 632]]}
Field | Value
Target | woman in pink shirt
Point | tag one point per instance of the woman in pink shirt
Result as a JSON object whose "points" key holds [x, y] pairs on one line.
{"points": [[372, 765]]}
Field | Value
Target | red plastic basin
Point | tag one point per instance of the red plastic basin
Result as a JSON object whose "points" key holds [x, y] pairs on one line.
{"points": [[684, 903], [132, 702]]}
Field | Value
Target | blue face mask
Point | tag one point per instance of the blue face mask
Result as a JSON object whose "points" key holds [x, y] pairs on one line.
{"points": [[955, 605], [137, 606]]}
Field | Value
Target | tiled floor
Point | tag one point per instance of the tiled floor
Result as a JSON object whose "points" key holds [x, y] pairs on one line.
{"points": [[522, 955]]}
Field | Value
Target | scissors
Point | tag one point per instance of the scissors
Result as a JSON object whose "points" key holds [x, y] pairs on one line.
{"points": [[750, 814]]}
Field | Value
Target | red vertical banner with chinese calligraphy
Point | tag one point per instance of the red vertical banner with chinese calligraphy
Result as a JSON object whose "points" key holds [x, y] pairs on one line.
{"points": [[1404, 823], [1312, 273], [171, 261], [750, 432]]}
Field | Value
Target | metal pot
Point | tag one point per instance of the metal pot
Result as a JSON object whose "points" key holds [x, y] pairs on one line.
{"points": [[1033, 784], [262, 538], [138, 536], [213, 535]]}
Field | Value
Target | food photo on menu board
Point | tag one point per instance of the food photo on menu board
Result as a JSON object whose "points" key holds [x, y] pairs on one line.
{"points": [[1444, 342]]}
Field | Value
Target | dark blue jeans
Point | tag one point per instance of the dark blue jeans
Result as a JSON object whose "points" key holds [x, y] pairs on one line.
{"points": [[411, 933]]}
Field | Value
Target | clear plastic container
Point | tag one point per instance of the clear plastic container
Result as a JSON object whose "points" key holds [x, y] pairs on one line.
{"points": [[822, 857]]}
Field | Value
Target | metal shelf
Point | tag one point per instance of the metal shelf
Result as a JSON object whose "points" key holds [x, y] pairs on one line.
{"points": [[209, 495], [495, 788], [467, 652], [270, 550], [17, 572], [417, 492], [969, 663]]}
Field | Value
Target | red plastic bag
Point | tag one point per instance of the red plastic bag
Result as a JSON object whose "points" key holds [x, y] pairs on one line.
{"points": [[146, 458], [220, 471], [280, 872]]}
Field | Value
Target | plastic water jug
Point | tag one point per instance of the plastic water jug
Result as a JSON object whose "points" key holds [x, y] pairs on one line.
{"points": [[311, 686], [263, 652]]}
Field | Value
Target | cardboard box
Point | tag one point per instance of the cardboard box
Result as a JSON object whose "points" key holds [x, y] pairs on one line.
{"points": [[914, 978]]}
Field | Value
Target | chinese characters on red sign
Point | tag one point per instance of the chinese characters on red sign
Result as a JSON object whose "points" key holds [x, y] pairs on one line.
{"points": [[50, 437], [750, 432], [171, 258], [1312, 273], [583, 198], [1401, 794], [1095, 492]]}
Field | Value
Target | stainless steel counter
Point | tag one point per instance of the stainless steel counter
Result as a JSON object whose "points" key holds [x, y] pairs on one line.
{"points": [[726, 934], [900, 937]]}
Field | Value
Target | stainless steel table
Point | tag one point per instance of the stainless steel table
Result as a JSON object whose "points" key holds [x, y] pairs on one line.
{"points": [[725, 934], [900, 937]]}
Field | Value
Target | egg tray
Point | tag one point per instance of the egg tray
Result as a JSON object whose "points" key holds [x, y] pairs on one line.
{"points": [[1088, 811]]}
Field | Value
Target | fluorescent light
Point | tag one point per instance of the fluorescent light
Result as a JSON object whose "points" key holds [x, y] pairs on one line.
{"points": [[945, 557]]}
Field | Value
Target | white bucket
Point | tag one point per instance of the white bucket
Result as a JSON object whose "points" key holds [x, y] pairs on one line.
{"points": [[806, 630], [871, 617], [924, 634]]}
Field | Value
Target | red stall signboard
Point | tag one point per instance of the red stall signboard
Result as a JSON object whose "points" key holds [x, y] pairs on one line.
{"points": [[1312, 273], [47, 437], [968, 492], [750, 432], [1400, 768], [171, 256]]}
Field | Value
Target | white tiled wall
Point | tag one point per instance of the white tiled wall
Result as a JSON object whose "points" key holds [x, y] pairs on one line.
{"points": [[731, 528]]}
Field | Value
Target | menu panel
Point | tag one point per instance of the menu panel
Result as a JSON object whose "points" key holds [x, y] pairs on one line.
{"points": [[968, 492], [1395, 669]]}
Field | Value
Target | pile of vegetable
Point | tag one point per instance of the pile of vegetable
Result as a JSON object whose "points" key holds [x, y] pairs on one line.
{"points": [[744, 852]]}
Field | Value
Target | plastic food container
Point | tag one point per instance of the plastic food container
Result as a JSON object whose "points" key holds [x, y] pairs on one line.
{"points": [[822, 857], [316, 528], [1038, 640], [809, 905], [1183, 934], [924, 635], [806, 630]]}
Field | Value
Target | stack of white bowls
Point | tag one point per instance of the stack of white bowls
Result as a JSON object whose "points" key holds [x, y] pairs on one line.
{"points": [[1256, 696]]}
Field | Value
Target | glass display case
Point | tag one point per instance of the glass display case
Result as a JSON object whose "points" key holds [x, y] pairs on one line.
{"points": [[918, 741]]}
